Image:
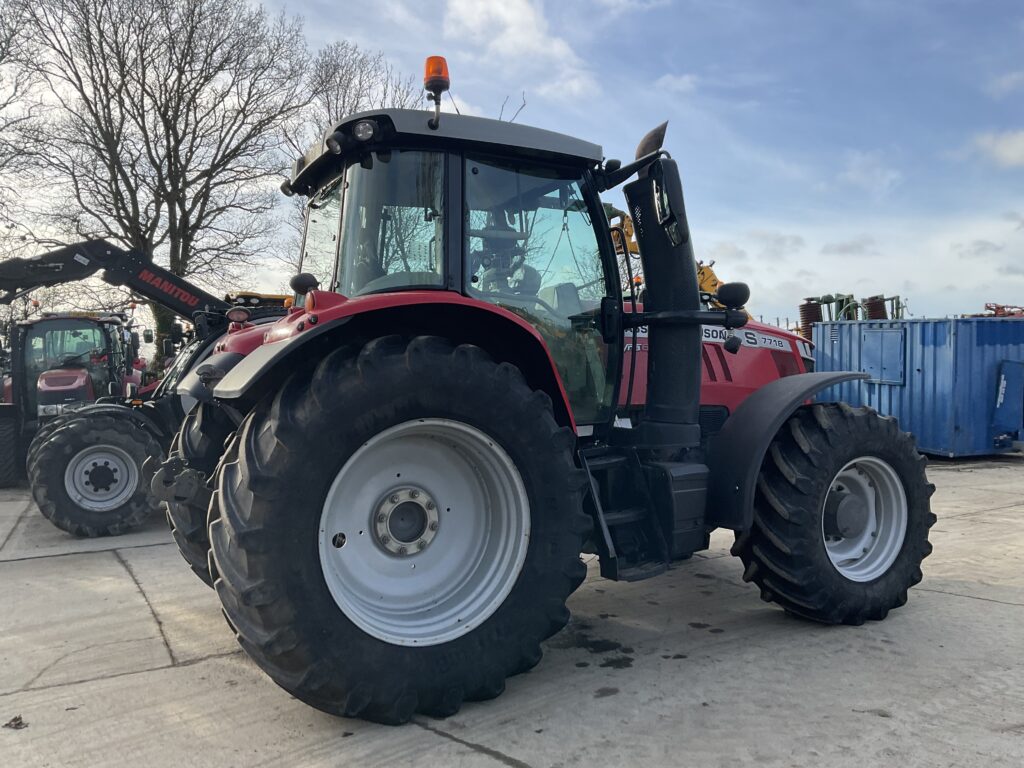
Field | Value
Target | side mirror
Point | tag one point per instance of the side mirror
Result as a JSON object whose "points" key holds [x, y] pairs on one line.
{"points": [[303, 283], [733, 295], [147, 336], [113, 389], [132, 390], [167, 348]]}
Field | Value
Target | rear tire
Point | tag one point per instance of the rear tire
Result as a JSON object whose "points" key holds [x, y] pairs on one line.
{"points": [[9, 465], [384, 661], [43, 434], [795, 551], [88, 477], [200, 444]]}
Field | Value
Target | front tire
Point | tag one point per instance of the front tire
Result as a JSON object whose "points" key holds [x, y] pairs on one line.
{"points": [[199, 444], [87, 477], [329, 492], [841, 516]]}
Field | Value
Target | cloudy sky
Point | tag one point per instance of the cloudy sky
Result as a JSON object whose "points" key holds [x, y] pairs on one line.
{"points": [[862, 146]]}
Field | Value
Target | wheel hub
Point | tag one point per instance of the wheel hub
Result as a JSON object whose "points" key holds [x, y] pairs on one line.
{"points": [[846, 515], [406, 521], [101, 477], [392, 568], [864, 518]]}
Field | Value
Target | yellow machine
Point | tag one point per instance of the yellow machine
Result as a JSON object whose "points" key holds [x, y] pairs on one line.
{"points": [[707, 280]]}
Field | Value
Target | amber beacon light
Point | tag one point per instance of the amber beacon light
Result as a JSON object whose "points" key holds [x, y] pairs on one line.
{"points": [[436, 82]]}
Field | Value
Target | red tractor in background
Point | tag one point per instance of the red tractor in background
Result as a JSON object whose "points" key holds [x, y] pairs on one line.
{"points": [[421, 451], [57, 364], [85, 460]]}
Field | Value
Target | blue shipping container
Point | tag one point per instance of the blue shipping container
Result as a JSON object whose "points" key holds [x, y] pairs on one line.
{"points": [[957, 384]]}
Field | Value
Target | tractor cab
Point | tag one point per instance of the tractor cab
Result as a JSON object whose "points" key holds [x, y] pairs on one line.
{"points": [[68, 360], [511, 219]]}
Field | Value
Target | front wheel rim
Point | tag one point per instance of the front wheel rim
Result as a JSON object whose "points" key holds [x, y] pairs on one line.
{"points": [[101, 478], [424, 532], [868, 547]]}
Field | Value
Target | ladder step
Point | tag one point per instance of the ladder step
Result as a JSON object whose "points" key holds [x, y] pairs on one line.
{"points": [[642, 571], [622, 516], [605, 461]]}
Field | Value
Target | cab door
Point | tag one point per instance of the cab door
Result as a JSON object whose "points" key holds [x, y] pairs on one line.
{"points": [[532, 247]]}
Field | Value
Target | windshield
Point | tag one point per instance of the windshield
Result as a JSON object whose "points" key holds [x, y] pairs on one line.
{"points": [[392, 223], [68, 343], [63, 342]]}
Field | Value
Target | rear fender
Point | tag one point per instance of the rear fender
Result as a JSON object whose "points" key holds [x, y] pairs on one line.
{"points": [[141, 416], [503, 335], [738, 450]]}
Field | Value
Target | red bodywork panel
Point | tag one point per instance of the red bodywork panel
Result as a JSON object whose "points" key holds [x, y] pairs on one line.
{"points": [[71, 383], [767, 353], [147, 390], [327, 307]]}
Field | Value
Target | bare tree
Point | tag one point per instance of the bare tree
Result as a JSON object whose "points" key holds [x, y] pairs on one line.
{"points": [[15, 108], [344, 79], [162, 123]]}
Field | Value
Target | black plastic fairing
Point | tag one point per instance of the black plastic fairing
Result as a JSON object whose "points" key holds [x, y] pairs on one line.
{"points": [[739, 448], [673, 363]]}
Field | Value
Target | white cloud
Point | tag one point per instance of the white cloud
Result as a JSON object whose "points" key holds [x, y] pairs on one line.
{"points": [[677, 83], [858, 246], [870, 172], [725, 251], [1006, 84], [976, 249], [516, 32], [1004, 149], [774, 246]]}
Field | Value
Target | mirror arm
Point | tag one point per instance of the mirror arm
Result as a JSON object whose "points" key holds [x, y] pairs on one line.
{"points": [[607, 179]]}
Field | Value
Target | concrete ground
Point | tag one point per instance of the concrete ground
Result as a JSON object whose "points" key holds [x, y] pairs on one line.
{"points": [[113, 653]]}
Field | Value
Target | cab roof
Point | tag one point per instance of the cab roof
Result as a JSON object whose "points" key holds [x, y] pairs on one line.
{"points": [[397, 127]]}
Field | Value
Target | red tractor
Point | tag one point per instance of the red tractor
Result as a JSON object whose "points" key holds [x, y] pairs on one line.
{"points": [[423, 448], [58, 364]]}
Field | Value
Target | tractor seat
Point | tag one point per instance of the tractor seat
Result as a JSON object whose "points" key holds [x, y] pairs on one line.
{"points": [[564, 298]]}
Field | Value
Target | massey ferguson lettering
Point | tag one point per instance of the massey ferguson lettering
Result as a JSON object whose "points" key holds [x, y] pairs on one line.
{"points": [[168, 288]]}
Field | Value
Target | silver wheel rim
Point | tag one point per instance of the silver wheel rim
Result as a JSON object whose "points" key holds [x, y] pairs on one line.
{"points": [[424, 532], [866, 553], [101, 477]]}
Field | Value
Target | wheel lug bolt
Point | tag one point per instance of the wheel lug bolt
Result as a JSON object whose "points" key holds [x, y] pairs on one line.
{"points": [[403, 551], [864, 551], [430, 505], [433, 525], [421, 543], [382, 518], [385, 539], [414, 494], [394, 498]]}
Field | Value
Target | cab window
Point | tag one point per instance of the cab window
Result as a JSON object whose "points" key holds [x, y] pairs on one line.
{"points": [[531, 248]]}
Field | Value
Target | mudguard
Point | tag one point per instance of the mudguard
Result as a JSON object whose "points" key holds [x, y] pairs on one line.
{"points": [[197, 383], [303, 337], [138, 415], [738, 450], [241, 374]]}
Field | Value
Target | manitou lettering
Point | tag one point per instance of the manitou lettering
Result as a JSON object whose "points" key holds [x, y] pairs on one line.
{"points": [[168, 287]]}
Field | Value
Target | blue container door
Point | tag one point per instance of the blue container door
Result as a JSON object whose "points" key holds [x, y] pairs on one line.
{"points": [[1008, 414]]}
